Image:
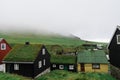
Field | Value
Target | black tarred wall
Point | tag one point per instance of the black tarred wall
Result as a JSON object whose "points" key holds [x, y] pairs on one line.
{"points": [[114, 50]]}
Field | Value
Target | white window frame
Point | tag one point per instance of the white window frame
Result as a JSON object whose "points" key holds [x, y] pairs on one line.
{"points": [[3, 44], [95, 66], [44, 62], [43, 51], [39, 64], [61, 66], [118, 39], [16, 66], [54, 65], [71, 67]]}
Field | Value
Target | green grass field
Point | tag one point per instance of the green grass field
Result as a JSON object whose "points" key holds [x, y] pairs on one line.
{"points": [[7, 76], [65, 75], [60, 75]]}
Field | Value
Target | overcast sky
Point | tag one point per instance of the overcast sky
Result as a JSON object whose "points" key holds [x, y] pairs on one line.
{"points": [[88, 19]]}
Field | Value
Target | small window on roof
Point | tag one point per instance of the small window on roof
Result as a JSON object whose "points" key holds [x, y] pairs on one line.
{"points": [[118, 39], [3, 46]]}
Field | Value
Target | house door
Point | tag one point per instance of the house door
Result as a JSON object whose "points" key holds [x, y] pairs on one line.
{"points": [[82, 67]]}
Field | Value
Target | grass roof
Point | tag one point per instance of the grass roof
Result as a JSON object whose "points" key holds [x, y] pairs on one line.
{"points": [[63, 59], [23, 53], [97, 56]]}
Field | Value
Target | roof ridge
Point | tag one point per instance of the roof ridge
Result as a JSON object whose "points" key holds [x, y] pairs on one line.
{"points": [[118, 27], [1, 39]]}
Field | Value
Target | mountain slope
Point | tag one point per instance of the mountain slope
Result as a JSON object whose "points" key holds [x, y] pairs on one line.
{"points": [[40, 39]]}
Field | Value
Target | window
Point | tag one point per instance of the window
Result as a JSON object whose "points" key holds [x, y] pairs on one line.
{"points": [[96, 66], [3, 46], [44, 62], [118, 39], [54, 65], [61, 67], [43, 51], [71, 67], [16, 66], [39, 64]]}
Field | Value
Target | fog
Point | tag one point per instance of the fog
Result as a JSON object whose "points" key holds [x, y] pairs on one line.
{"points": [[88, 19]]}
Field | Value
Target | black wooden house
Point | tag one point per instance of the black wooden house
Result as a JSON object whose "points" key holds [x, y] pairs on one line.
{"points": [[29, 60], [64, 62], [114, 48]]}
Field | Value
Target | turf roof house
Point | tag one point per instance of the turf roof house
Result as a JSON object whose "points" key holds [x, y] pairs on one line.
{"points": [[92, 61], [29, 60], [114, 48], [63, 62], [4, 49], [93, 46]]}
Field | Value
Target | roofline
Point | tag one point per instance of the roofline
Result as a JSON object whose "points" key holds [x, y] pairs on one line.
{"points": [[61, 63], [118, 27], [5, 42], [1, 39], [18, 62]]}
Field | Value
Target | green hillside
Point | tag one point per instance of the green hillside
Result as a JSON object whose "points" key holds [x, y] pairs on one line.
{"points": [[6, 76], [40, 39]]}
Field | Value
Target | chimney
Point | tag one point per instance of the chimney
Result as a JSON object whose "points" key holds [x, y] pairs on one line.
{"points": [[27, 43]]}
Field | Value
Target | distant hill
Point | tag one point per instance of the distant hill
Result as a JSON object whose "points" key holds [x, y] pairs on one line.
{"points": [[52, 39]]}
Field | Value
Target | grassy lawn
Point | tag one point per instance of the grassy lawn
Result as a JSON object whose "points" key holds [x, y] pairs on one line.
{"points": [[65, 75], [6, 76]]}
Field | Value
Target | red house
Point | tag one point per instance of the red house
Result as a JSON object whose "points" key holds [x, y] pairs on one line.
{"points": [[4, 49]]}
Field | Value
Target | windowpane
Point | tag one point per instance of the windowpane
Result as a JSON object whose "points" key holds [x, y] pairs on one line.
{"points": [[16, 66], [44, 62], [71, 67], [3, 46], [96, 66], [118, 39], [43, 51], [39, 64], [61, 67], [54, 65]]}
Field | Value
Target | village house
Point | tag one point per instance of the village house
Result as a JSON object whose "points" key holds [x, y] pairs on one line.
{"points": [[63, 62], [92, 61], [29, 60], [4, 49], [114, 48], [89, 46]]}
